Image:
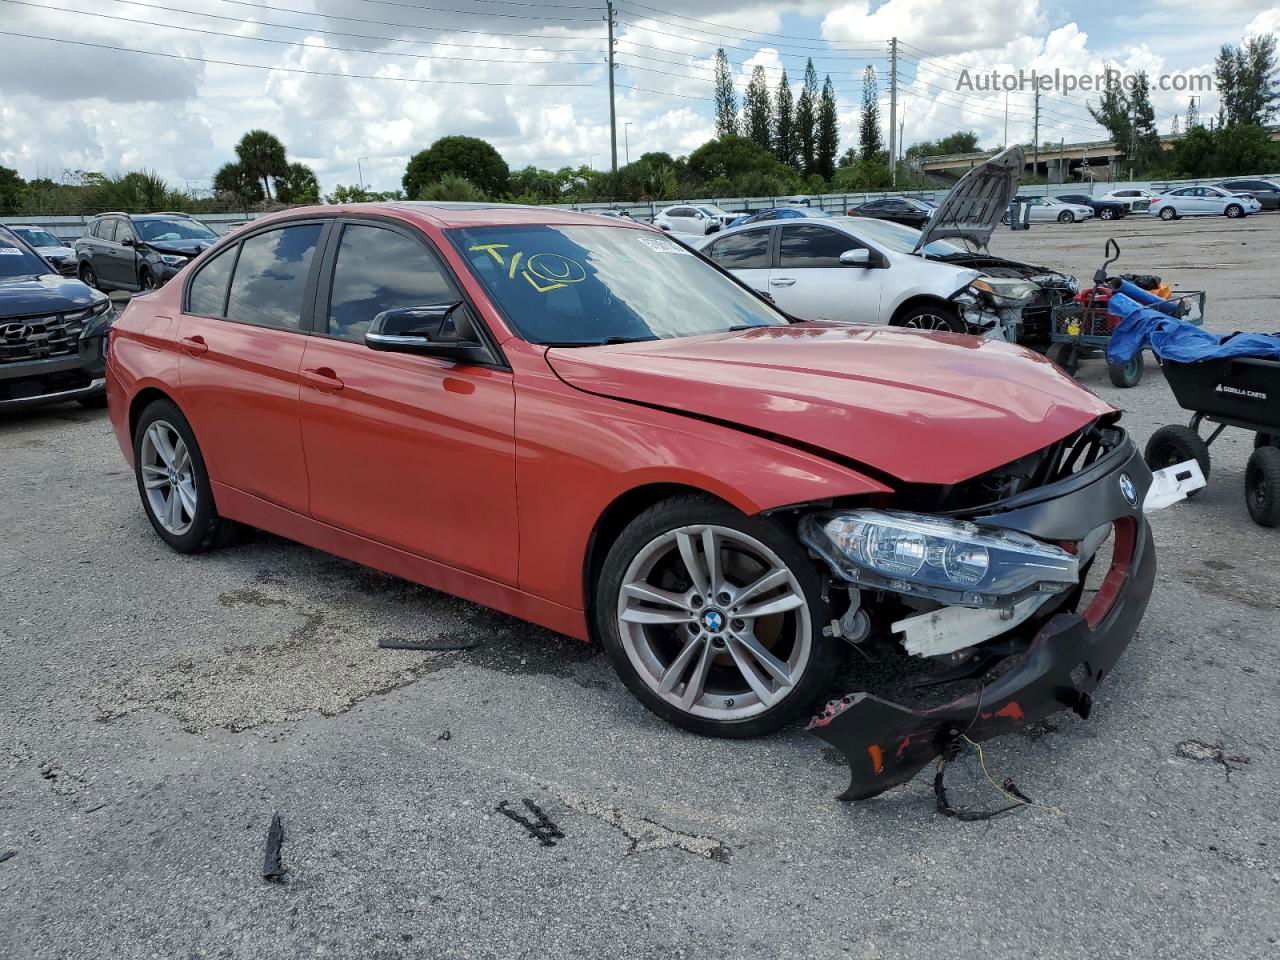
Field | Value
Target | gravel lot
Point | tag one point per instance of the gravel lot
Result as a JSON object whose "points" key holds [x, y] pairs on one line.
{"points": [[155, 710]]}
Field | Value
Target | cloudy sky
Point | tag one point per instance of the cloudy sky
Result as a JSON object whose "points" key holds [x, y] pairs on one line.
{"points": [[342, 81]]}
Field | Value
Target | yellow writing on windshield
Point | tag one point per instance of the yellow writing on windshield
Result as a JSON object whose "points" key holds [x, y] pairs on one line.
{"points": [[542, 271]]}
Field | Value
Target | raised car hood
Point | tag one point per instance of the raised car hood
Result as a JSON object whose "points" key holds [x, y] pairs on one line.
{"points": [[975, 204], [923, 408], [181, 248]]}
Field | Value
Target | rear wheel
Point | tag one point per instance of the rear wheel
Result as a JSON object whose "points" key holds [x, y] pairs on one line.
{"points": [[1172, 445], [1234, 211], [713, 619], [1262, 486], [1106, 213], [1168, 213], [1129, 374], [931, 316]]}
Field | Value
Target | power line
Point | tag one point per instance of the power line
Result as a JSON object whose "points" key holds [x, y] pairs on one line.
{"points": [[715, 43], [485, 13], [732, 32]]}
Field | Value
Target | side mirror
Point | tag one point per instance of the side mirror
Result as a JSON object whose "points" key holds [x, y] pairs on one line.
{"points": [[127, 241], [856, 258], [439, 330]]}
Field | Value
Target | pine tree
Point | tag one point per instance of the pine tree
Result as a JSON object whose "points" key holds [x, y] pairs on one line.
{"points": [[757, 110], [784, 132], [1193, 114], [869, 141], [726, 99], [807, 121], [828, 142], [1112, 112], [1146, 138], [1175, 130]]}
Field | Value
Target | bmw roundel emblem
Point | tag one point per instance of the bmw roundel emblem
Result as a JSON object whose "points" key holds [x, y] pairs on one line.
{"points": [[713, 620], [1128, 489]]}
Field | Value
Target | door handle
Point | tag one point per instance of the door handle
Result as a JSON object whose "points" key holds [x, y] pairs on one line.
{"points": [[782, 282], [323, 379], [195, 346]]}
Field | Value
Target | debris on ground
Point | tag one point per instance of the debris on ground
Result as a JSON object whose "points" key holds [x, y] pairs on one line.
{"points": [[645, 834], [542, 828], [1202, 752], [7, 854], [447, 735], [1007, 788], [272, 866]]}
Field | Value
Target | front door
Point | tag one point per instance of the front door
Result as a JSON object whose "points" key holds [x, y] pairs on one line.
{"points": [[811, 283], [747, 255], [241, 349], [412, 451]]}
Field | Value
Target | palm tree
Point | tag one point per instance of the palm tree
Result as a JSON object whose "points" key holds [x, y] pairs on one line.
{"points": [[262, 156]]}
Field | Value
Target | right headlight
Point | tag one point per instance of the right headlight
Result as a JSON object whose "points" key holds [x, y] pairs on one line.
{"points": [[1005, 291], [953, 561]]}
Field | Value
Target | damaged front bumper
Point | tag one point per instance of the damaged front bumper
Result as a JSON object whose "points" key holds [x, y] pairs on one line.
{"points": [[886, 744]]}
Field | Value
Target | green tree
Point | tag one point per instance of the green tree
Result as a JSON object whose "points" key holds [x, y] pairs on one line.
{"points": [[807, 120], [467, 157], [828, 139], [1224, 152], [11, 189], [1112, 112], [235, 182], [757, 109], [870, 144], [298, 185], [452, 187], [358, 194], [962, 141], [1257, 89], [784, 129], [262, 156], [737, 165], [1146, 138], [726, 99]]}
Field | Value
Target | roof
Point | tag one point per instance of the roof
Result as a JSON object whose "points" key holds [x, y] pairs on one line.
{"points": [[445, 214]]}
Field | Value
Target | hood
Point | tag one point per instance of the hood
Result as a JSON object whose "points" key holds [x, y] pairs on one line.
{"points": [[24, 296], [62, 253], [975, 204], [181, 248], [923, 408]]}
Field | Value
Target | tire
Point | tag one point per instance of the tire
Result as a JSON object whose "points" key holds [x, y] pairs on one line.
{"points": [[1004, 219], [147, 281], [931, 316], [1106, 213], [1234, 211], [1066, 216], [1177, 444], [1266, 440], [88, 276], [1168, 213], [1128, 375], [675, 628], [1066, 356], [195, 530], [1262, 486]]}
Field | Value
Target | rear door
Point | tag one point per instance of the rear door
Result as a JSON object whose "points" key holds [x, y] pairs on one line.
{"points": [[411, 451], [106, 254], [809, 281], [242, 338], [748, 254]]}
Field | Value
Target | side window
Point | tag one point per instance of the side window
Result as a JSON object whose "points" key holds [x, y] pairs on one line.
{"points": [[743, 251], [107, 229], [271, 277], [124, 229], [378, 270], [207, 295], [95, 229], [806, 246]]}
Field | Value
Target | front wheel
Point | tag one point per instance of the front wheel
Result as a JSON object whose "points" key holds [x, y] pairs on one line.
{"points": [[1066, 356], [1262, 486], [1168, 213], [714, 619], [1170, 446], [1106, 213], [87, 275], [147, 281], [1066, 216], [1235, 211], [931, 316]]}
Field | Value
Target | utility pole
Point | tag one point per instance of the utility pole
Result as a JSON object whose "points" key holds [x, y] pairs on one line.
{"points": [[613, 119], [626, 140], [1035, 163], [1006, 119], [893, 108], [360, 172]]}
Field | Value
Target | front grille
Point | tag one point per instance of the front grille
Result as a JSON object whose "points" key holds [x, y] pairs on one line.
{"points": [[39, 338], [24, 388]]}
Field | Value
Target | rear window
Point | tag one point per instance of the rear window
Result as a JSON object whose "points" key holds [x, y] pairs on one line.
{"points": [[17, 261], [208, 293]]}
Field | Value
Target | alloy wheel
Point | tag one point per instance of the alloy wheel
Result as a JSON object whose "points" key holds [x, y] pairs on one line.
{"points": [[168, 478], [714, 622], [929, 321]]}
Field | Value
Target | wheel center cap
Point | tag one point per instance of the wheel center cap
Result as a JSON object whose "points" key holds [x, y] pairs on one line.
{"points": [[712, 621]]}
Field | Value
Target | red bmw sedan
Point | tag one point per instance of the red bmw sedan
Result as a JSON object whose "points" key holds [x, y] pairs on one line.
{"points": [[580, 422]]}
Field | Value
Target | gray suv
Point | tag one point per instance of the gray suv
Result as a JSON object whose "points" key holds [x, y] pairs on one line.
{"points": [[130, 251]]}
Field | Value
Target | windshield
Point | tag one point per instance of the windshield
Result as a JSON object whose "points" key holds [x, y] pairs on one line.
{"points": [[37, 237], [158, 231], [578, 285], [897, 238], [712, 211], [17, 261]]}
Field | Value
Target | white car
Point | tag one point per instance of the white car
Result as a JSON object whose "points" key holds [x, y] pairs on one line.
{"points": [[698, 219], [1139, 201], [1049, 210], [1203, 202], [850, 270]]}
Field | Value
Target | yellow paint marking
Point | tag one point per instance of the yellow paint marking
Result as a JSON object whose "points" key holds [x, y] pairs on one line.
{"points": [[492, 249], [534, 283], [515, 262]]}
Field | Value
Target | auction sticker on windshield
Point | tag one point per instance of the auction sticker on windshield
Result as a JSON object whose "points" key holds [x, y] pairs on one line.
{"points": [[663, 245]]}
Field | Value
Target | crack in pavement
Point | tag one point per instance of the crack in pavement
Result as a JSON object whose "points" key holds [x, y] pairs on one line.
{"points": [[1202, 752]]}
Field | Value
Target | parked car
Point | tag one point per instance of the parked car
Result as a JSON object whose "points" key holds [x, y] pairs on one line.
{"points": [[52, 332], [1266, 192], [905, 210], [1138, 201], [123, 251], [1102, 209], [697, 219], [48, 246], [779, 213], [1203, 202], [846, 270], [1050, 210], [622, 443]]}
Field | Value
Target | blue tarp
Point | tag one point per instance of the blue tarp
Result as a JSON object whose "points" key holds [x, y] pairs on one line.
{"points": [[1142, 326]]}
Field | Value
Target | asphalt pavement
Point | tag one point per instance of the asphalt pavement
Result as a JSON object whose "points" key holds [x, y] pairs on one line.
{"points": [[157, 710]]}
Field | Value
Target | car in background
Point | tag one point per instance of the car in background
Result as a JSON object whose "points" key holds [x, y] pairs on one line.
{"points": [[613, 214], [846, 270], [53, 332], [1138, 201], [779, 213], [697, 219], [1102, 209], [907, 211], [124, 251], [1266, 192], [61, 256], [1203, 202], [1050, 210]]}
